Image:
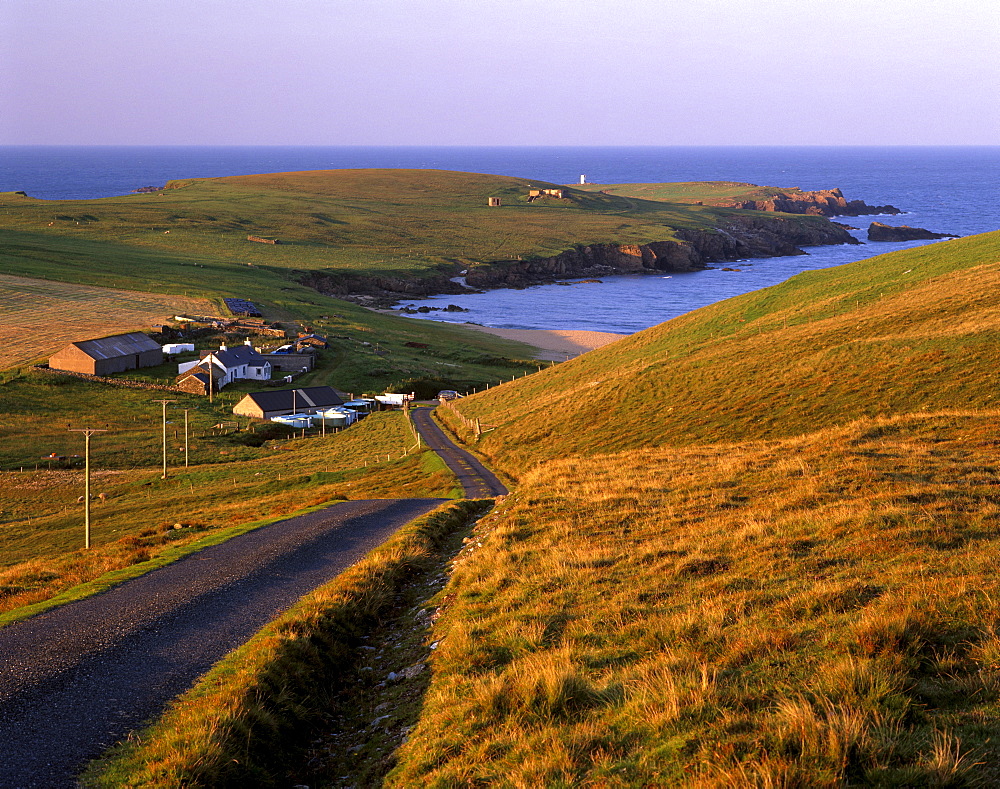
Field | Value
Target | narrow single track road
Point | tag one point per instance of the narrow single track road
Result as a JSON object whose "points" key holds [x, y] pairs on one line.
{"points": [[477, 480], [77, 679]]}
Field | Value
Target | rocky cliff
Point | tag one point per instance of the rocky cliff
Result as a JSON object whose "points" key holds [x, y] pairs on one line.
{"points": [[825, 202], [690, 250]]}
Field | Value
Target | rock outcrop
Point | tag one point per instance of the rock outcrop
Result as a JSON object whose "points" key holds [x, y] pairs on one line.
{"points": [[739, 237], [825, 202], [879, 232]]}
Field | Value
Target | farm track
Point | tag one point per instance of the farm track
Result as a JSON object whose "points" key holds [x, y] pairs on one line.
{"points": [[75, 680], [477, 481]]}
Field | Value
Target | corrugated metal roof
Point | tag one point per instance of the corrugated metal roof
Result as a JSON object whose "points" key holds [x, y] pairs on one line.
{"points": [[118, 345]]}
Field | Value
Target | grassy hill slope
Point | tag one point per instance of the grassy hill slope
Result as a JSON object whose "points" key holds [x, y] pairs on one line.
{"points": [[757, 548], [817, 612], [905, 332]]}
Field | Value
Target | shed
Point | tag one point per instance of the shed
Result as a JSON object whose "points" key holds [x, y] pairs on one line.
{"points": [[196, 380], [104, 355], [178, 347], [279, 402]]}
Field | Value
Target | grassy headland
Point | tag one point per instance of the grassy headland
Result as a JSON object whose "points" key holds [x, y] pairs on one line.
{"points": [[345, 231]]}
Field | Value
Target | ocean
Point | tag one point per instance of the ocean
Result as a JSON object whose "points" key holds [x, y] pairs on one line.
{"points": [[945, 189]]}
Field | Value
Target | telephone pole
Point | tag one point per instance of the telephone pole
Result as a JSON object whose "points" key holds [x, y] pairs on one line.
{"points": [[186, 437], [164, 403], [87, 432]]}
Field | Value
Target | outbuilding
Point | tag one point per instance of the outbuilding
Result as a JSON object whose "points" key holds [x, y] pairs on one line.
{"points": [[105, 355], [279, 402]]}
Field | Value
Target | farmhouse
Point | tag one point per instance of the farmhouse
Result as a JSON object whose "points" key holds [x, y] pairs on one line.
{"points": [[105, 355], [278, 402], [234, 363]]}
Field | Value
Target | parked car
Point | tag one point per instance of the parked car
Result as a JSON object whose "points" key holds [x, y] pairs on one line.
{"points": [[447, 394]]}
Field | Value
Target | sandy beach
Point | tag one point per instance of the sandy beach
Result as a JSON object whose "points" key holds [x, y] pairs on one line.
{"points": [[554, 344]]}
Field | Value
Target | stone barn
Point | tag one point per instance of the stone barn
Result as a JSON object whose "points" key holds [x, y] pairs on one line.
{"points": [[105, 355]]}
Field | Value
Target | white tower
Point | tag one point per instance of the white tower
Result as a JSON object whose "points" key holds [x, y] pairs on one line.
{"points": [[583, 179]]}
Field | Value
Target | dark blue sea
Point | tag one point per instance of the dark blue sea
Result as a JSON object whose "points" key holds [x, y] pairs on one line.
{"points": [[951, 190]]}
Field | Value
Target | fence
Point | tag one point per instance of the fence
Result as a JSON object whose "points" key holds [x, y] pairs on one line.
{"points": [[472, 425]]}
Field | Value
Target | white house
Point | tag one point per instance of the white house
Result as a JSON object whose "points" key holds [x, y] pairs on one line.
{"points": [[237, 363]]}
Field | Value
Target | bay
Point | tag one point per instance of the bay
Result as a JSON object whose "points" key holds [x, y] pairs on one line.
{"points": [[946, 189]]}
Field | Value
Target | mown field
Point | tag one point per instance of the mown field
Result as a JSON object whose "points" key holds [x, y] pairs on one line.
{"points": [[38, 317]]}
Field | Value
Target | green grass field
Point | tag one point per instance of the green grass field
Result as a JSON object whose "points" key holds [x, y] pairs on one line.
{"points": [[386, 223]]}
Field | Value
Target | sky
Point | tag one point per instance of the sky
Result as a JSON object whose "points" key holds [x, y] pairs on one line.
{"points": [[499, 72]]}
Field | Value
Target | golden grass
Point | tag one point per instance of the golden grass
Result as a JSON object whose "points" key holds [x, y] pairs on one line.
{"points": [[807, 612], [38, 317]]}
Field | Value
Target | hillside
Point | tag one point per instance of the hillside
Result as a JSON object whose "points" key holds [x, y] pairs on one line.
{"points": [[812, 612], [905, 332], [751, 547]]}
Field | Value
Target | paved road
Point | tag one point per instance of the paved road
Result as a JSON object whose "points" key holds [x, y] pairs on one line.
{"points": [[79, 678], [477, 480]]}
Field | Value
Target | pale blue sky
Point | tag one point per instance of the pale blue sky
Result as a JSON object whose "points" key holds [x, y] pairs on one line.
{"points": [[492, 72]]}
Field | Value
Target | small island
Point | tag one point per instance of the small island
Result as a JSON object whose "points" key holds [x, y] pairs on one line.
{"points": [[880, 232]]}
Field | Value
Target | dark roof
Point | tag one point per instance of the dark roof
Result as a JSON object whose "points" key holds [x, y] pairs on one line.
{"points": [[306, 397], [200, 372], [237, 355], [118, 345]]}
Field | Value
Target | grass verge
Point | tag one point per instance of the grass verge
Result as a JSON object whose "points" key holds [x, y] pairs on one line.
{"points": [[240, 724]]}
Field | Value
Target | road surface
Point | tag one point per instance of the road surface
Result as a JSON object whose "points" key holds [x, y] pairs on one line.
{"points": [[477, 480], [79, 678]]}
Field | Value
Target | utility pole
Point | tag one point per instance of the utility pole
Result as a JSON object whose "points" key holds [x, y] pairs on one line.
{"points": [[87, 432], [186, 437], [164, 404]]}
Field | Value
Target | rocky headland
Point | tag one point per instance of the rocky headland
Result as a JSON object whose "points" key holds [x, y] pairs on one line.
{"points": [[737, 238], [824, 202], [689, 250], [880, 232]]}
